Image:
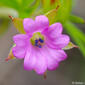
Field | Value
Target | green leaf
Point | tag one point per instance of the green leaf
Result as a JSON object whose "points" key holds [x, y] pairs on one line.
{"points": [[76, 19], [18, 23], [76, 35], [70, 46]]}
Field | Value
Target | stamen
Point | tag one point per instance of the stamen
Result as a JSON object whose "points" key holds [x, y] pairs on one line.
{"points": [[36, 41], [41, 40]]}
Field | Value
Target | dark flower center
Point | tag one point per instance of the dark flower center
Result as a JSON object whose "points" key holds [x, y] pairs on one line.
{"points": [[37, 39], [39, 42]]}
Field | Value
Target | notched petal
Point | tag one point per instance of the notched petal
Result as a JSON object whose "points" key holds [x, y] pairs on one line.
{"points": [[42, 21], [20, 39], [29, 25], [55, 30], [19, 52]]}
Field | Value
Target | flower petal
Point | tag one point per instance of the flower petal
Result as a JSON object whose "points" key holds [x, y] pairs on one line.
{"points": [[62, 41], [41, 64], [29, 61], [29, 25], [42, 22], [55, 30], [53, 57], [20, 39], [58, 55], [59, 42], [19, 52], [52, 63], [61, 55]]}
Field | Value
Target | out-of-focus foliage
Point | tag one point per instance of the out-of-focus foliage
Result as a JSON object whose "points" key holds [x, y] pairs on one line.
{"points": [[4, 23], [77, 35], [16, 8], [76, 19], [29, 8], [64, 16]]}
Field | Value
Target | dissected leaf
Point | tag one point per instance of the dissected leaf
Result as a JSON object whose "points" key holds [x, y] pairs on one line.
{"points": [[76, 19], [70, 46]]}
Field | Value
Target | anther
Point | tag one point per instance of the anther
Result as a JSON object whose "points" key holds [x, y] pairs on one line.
{"points": [[36, 41], [41, 40]]}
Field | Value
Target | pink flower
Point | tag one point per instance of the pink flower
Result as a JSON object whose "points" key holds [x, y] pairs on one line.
{"points": [[41, 46]]}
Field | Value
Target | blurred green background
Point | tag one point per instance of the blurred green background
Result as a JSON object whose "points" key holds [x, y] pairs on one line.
{"points": [[69, 13]]}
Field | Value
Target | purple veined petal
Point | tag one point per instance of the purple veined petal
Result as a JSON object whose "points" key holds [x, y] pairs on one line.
{"points": [[19, 52], [62, 41], [29, 25], [42, 22], [52, 63], [41, 64], [49, 42], [61, 55], [20, 39], [30, 60], [59, 42], [58, 55], [55, 30], [53, 57]]}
